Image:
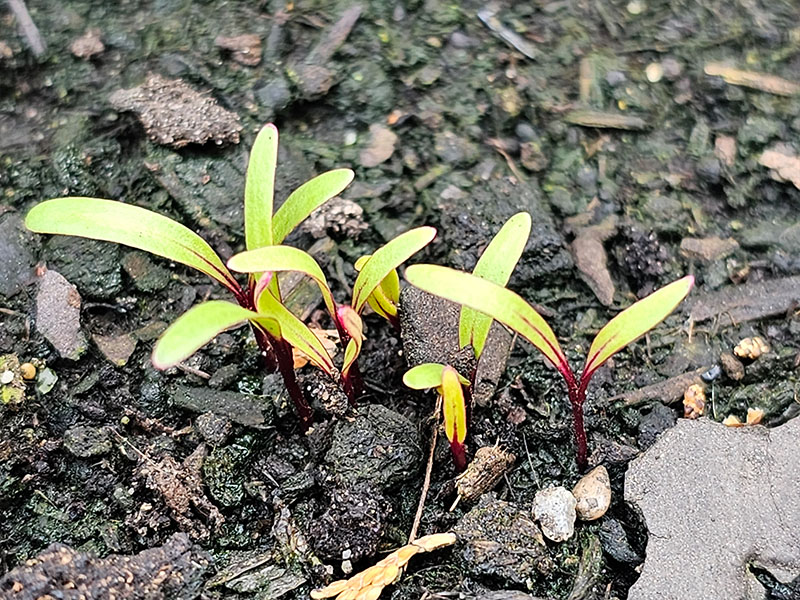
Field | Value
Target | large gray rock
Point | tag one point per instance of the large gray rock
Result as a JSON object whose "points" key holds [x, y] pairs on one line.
{"points": [[715, 500]]}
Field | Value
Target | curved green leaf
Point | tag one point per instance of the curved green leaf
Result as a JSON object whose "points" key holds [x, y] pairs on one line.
{"points": [[129, 225], [195, 328], [453, 406], [306, 199], [259, 188], [295, 332], [387, 258], [284, 258], [501, 304], [634, 322], [496, 265], [426, 376], [384, 298]]}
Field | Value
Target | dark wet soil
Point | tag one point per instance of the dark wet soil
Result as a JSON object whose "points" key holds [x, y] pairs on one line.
{"points": [[575, 112]]}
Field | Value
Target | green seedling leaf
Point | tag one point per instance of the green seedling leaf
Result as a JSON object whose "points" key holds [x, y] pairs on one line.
{"points": [[634, 322], [384, 298], [284, 258], [259, 188], [195, 328], [129, 225], [306, 199], [386, 259], [426, 376], [496, 265], [501, 304], [295, 332], [455, 411]]}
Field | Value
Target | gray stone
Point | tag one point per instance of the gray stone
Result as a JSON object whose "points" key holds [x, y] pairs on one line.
{"points": [[86, 442], [58, 315], [500, 540], [15, 255], [554, 508], [717, 499]]}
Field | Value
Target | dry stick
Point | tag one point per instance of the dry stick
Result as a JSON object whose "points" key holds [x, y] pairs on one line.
{"points": [[427, 483], [28, 27]]}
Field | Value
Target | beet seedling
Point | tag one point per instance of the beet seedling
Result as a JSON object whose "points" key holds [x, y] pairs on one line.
{"points": [[276, 329], [511, 310], [495, 265]]}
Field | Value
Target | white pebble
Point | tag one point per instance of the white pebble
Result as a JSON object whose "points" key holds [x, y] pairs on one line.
{"points": [[554, 508], [654, 72]]}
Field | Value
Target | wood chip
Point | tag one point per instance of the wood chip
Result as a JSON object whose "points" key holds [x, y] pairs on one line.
{"points": [[753, 79], [592, 261], [785, 164], [708, 249], [668, 391], [605, 120]]}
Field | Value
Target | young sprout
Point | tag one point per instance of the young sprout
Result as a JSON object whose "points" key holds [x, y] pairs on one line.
{"points": [[512, 311], [450, 386], [495, 265], [258, 303]]}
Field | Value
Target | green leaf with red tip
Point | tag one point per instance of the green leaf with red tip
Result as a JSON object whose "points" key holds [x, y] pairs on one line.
{"points": [[284, 258], [295, 332], [495, 265], [634, 322], [385, 260], [453, 406], [129, 225], [426, 376], [259, 188], [499, 303], [195, 328], [306, 199]]}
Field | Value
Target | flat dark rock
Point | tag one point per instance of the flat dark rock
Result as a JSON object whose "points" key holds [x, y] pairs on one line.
{"points": [[746, 302]]}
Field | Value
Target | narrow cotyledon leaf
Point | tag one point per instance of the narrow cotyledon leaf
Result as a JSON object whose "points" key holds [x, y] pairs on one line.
{"points": [[496, 265], [634, 322], [129, 225], [306, 199], [387, 258], [195, 328], [259, 188]]}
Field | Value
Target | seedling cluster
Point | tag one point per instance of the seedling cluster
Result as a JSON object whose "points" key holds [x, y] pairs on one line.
{"points": [[278, 332], [258, 301]]}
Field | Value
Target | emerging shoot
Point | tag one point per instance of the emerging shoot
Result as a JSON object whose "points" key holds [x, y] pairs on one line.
{"points": [[512, 311]]}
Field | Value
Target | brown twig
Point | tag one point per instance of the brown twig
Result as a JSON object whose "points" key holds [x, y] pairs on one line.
{"points": [[427, 482]]}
